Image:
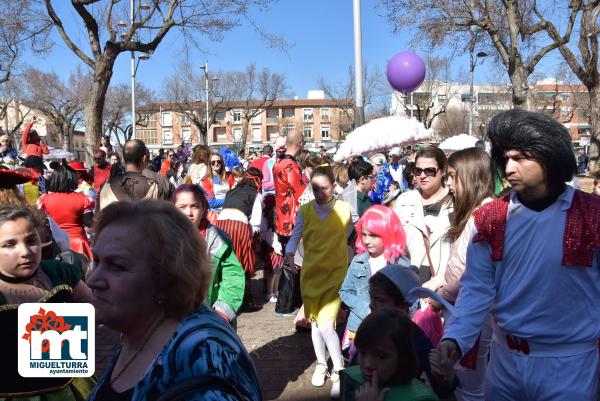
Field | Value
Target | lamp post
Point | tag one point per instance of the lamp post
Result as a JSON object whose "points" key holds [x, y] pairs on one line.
{"points": [[207, 92], [473, 62], [134, 63], [359, 114]]}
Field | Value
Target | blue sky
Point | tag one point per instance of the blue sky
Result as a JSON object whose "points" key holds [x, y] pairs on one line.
{"points": [[320, 33]]}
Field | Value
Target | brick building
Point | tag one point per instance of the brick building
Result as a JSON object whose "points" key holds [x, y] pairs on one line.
{"points": [[323, 121]]}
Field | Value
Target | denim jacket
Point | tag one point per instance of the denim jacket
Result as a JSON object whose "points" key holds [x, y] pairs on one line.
{"points": [[355, 288]]}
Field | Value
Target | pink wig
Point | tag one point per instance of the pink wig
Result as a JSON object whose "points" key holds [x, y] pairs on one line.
{"points": [[383, 222]]}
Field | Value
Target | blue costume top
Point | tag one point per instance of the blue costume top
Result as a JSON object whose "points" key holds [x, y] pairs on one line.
{"points": [[203, 345]]}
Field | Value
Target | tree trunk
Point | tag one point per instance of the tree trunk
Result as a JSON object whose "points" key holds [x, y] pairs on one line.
{"points": [[65, 127], [245, 127], [94, 107], [523, 96], [594, 164]]}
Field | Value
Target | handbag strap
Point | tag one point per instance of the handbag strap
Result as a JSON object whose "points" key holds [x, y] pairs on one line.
{"points": [[200, 384], [426, 244]]}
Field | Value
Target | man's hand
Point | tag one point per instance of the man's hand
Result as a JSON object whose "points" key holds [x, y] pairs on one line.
{"points": [[370, 391], [435, 304], [443, 359], [289, 260]]}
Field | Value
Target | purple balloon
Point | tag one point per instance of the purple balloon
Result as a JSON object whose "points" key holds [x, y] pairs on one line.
{"points": [[406, 72]]}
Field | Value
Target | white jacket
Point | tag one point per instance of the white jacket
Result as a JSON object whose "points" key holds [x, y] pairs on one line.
{"points": [[409, 208]]}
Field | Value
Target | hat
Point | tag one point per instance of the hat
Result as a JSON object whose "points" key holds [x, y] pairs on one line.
{"points": [[404, 278], [391, 196], [11, 178], [378, 159], [395, 151], [78, 166]]}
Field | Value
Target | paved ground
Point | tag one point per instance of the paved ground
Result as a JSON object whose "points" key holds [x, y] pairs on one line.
{"points": [[283, 356]]}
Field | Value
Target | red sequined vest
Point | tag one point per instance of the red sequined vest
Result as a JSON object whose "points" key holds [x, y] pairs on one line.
{"points": [[582, 228]]}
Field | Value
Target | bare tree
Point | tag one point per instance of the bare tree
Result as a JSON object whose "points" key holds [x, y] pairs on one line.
{"points": [[101, 20], [376, 94], [251, 92], [584, 64], [117, 112], [454, 121], [513, 28], [186, 89], [60, 102], [23, 28]]}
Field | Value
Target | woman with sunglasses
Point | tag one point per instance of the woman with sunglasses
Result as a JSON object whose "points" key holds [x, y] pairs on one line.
{"points": [[425, 215], [216, 184]]}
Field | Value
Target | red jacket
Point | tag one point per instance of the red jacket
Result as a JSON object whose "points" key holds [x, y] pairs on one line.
{"points": [[32, 149], [207, 184], [289, 186]]}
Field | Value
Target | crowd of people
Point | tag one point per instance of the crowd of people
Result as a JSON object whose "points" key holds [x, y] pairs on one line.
{"points": [[419, 274]]}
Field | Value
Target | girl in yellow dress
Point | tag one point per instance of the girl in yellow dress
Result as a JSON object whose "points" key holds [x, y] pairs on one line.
{"points": [[324, 226]]}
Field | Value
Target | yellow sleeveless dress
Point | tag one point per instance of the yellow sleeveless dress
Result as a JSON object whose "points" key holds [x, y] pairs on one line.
{"points": [[325, 260]]}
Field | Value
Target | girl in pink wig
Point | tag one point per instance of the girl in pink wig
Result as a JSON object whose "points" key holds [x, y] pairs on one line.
{"points": [[380, 242]]}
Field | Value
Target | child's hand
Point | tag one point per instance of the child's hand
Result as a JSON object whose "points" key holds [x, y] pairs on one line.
{"points": [[440, 370], [370, 391]]}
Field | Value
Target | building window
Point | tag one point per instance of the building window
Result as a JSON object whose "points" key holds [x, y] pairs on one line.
{"points": [[287, 128], [289, 113], [325, 133], [167, 136], [237, 134], [256, 119], [442, 98], [308, 115], [256, 135], [272, 113], [564, 97], [221, 132], [237, 116], [166, 119], [186, 135], [185, 119], [220, 116], [325, 113], [308, 131], [147, 135]]}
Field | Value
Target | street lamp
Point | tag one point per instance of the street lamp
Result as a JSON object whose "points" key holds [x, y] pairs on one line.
{"points": [[207, 91], [134, 64], [473, 62]]}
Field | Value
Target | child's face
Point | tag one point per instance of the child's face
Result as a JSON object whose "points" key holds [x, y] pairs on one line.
{"points": [[373, 242], [381, 358], [380, 299], [597, 188]]}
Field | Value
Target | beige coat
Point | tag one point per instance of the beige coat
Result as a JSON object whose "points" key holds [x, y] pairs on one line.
{"points": [[409, 208]]}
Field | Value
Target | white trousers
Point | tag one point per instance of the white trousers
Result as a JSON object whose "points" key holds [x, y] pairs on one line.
{"points": [[517, 377]]}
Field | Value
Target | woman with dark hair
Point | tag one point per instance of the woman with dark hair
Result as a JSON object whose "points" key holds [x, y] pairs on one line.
{"points": [[471, 184], [173, 345], [26, 278], [72, 211], [425, 215], [226, 290], [216, 184], [240, 219]]}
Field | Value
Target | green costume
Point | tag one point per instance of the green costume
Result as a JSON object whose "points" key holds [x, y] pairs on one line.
{"points": [[226, 290]]}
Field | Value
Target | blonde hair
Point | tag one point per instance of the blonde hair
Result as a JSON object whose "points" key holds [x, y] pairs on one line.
{"points": [[180, 257]]}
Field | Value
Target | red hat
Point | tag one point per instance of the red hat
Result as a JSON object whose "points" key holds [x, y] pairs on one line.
{"points": [[78, 166], [11, 178]]}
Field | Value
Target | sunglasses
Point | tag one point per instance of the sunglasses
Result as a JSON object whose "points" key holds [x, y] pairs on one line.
{"points": [[429, 171], [216, 162]]}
